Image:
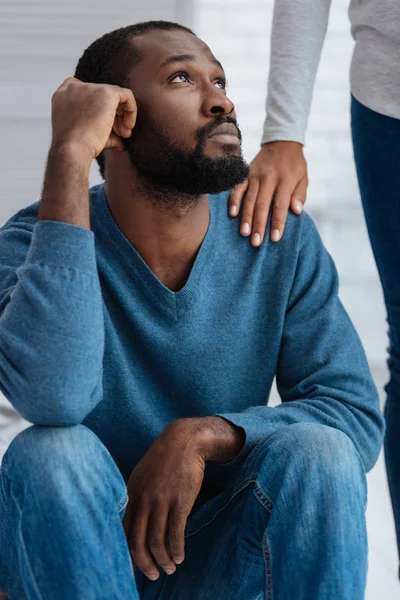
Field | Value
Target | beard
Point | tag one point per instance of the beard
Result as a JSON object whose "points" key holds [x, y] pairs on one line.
{"points": [[165, 169]]}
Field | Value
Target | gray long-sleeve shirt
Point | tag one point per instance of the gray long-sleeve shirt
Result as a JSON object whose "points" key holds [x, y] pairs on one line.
{"points": [[298, 32]]}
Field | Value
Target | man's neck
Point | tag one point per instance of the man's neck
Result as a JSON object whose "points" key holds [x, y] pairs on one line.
{"points": [[167, 239]]}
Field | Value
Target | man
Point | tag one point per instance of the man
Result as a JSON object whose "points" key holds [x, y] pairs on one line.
{"points": [[140, 334]]}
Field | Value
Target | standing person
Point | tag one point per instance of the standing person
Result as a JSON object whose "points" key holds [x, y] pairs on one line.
{"points": [[280, 169]]}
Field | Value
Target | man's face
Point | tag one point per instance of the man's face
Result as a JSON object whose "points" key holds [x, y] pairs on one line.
{"points": [[186, 138]]}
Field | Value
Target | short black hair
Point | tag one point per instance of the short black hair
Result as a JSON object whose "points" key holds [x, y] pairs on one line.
{"points": [[109, 58]]}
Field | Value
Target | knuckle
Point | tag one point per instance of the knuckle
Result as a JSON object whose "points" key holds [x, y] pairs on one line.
{"points": [[142, 561], [259, 226], [269, 173], [247, 217], [136, 548], [278, 222], [156, 543], [104, 91], [253, 179], [262, 206], [75, 85], [174, 537], [249, 203]]}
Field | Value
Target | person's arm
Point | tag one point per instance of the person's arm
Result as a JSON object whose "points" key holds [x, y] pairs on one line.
{"points": [[51, 309], [51, 315], [298, 33], [322, 373], [279, 169]]}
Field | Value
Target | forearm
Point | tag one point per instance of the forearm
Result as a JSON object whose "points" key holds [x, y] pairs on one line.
{"points": [[322, 373], [362, 424], [65, 195], [298, 33]]}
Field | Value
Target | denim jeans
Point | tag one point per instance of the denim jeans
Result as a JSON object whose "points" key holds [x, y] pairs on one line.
{"points": [[291, 524], [376, 142]]}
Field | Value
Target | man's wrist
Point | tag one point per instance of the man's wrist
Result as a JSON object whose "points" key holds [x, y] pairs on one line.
{"points": [[217, 439]]}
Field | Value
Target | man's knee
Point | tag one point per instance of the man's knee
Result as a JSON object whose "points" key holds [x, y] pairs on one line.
{"points": [[36, 446], [66, 458], [314, 453]]}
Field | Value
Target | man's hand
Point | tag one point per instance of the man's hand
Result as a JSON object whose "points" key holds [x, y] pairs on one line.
{"points": [[92, 116], [279, 170], [164, 485]]}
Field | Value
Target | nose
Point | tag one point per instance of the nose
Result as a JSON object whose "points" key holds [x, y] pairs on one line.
{"points": [[216, 102]]}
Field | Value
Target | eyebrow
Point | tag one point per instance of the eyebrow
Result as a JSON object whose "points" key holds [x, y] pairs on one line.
{"points": [[186, 58]]}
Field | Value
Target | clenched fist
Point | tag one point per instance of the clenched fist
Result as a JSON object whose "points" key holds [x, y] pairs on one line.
{"points": [[92, 116]]}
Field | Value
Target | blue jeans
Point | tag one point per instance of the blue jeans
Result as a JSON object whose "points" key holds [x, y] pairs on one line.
{"points": [[376, 142], [291, 524]]}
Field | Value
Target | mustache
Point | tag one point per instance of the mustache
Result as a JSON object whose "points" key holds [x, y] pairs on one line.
{"points": [[205, 131]]}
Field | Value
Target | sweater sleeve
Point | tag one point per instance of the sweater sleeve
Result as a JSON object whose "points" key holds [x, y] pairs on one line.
{"points": [[298, 33], [322, 371], [51, 321]]}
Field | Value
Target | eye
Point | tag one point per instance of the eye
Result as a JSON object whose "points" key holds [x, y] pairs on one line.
{"points": [[182, 75], [222, 83]]}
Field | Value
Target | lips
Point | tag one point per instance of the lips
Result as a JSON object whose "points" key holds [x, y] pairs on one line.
{"points": [[225, 129]]}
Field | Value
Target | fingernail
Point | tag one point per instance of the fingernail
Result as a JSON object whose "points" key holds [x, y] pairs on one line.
{"points": [[169, 571], [152, 576], [275, 235], [178, 561], [298, 206], [256, 240], [245, 229], [233, 211]]}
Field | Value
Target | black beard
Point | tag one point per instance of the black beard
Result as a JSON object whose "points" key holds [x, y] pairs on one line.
{"points": [[165, 169]]}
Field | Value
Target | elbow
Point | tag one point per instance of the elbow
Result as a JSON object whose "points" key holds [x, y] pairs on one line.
{"points": [[57, 410], [374, 434], [57, 415]]}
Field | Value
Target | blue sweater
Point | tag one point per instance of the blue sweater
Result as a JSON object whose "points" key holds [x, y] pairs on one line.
{"points": [[89, 335]]}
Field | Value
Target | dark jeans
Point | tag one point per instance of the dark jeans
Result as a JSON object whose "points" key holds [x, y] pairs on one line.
{"points": [[376, 142]]}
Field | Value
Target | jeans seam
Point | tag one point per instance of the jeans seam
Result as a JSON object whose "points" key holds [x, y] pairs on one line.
{"points": [[20, 537], [263, 498], [250, 479], [267, 504], [268, 569]]}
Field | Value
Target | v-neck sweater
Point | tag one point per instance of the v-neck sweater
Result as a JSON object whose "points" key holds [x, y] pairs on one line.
{"points": [[88, 334]]}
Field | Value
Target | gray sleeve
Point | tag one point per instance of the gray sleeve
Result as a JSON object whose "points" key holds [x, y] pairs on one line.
{"points": [[298, 33]]}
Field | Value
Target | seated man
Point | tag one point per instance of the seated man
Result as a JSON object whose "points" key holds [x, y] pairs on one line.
{"points": [[140, 334]]}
